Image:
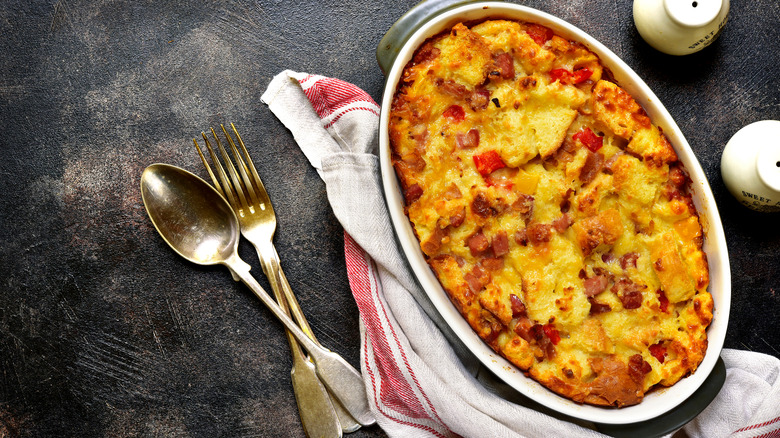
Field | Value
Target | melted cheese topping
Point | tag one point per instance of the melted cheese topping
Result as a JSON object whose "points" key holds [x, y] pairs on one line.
{"points": [[553, 212]]}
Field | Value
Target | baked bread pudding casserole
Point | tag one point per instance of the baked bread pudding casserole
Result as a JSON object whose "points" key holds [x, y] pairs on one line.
{"points": [[552, 210]]}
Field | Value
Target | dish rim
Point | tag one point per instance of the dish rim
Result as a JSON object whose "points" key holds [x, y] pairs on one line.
{"points": [[656, 402]]}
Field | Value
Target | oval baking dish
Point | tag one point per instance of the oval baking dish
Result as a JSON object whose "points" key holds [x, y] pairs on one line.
{"points": [[656, 402]]}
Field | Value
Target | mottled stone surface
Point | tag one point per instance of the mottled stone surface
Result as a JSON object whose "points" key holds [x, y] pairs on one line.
{"points": [[104, 331]]}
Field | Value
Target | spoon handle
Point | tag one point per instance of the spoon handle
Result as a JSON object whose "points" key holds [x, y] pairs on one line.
{"points": [[338, 375], [272, 267]]}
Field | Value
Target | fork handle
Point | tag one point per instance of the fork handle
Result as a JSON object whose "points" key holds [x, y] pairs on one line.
{"points": [[272, 268], [320, 415]]}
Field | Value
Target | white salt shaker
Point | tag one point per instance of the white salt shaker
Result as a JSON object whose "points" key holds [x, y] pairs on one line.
{"points": [[750, 165], [680, 27]]}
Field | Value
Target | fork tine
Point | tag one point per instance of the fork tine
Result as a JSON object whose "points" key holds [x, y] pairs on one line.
{"points": [[228, 189], [208, 168], [251, 168], [232, 171], [241, 167]]}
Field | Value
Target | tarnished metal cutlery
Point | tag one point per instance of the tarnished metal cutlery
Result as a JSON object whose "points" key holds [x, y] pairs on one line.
{"points": [[241, 185], [203, 226]]}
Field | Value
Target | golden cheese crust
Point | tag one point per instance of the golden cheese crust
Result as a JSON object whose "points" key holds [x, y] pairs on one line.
{"points": [[552, 210]]}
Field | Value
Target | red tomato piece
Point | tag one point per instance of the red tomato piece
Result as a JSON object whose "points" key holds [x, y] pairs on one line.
{"points": [[455, 113], [581, 75], [658, 351], [663, 302], [566, 77], [539, 33], [589, 139], [552, 333], [560, 74], [488, 162]]}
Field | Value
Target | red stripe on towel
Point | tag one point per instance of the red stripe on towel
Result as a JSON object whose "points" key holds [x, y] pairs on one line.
{"points": [[399, 396], [756, 426], [328, 95]]}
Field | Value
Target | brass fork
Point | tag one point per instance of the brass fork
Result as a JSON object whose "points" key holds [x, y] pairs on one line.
{"points": [[321, 413]]}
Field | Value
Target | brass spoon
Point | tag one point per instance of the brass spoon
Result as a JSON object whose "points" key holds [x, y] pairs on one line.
{"points": [[197, 222]]}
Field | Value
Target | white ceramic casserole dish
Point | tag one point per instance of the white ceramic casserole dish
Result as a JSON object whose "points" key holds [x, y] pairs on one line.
{"points": [[655, 403]]}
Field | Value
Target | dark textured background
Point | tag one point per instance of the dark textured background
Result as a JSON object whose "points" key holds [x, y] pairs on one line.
{"points": [[104, 331]]}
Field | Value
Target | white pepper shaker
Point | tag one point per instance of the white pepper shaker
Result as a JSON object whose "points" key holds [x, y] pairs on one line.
{"points": [[680, 27], [750, 165]]}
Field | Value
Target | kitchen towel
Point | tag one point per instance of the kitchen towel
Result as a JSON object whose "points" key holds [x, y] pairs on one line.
{"points": [[420, 380]]}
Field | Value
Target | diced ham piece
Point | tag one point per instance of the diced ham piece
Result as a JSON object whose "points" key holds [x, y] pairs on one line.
{"points": [[433, 244], [610, 163], [629, 293], [477, 243], [638, 367], [479, 99], [562, 223], [631, 299], [506, 65], [414, 161], [476, 279], [458, 218], [628, 260], [566, 201], [596, 307], [468, 140], [500, 244], [412, 193], [524, 205], [481, 206], [473, 283], [539, 233], [595, 285], [594, 162], [453, 88], [518, 308], [521, 237], [523, 328]]}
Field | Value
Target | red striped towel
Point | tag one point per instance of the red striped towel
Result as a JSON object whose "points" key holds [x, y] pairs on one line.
{"points": [[419, 383]]}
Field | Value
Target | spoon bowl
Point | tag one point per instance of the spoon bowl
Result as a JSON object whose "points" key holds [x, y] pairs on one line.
{"points": [[193, 219]]}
